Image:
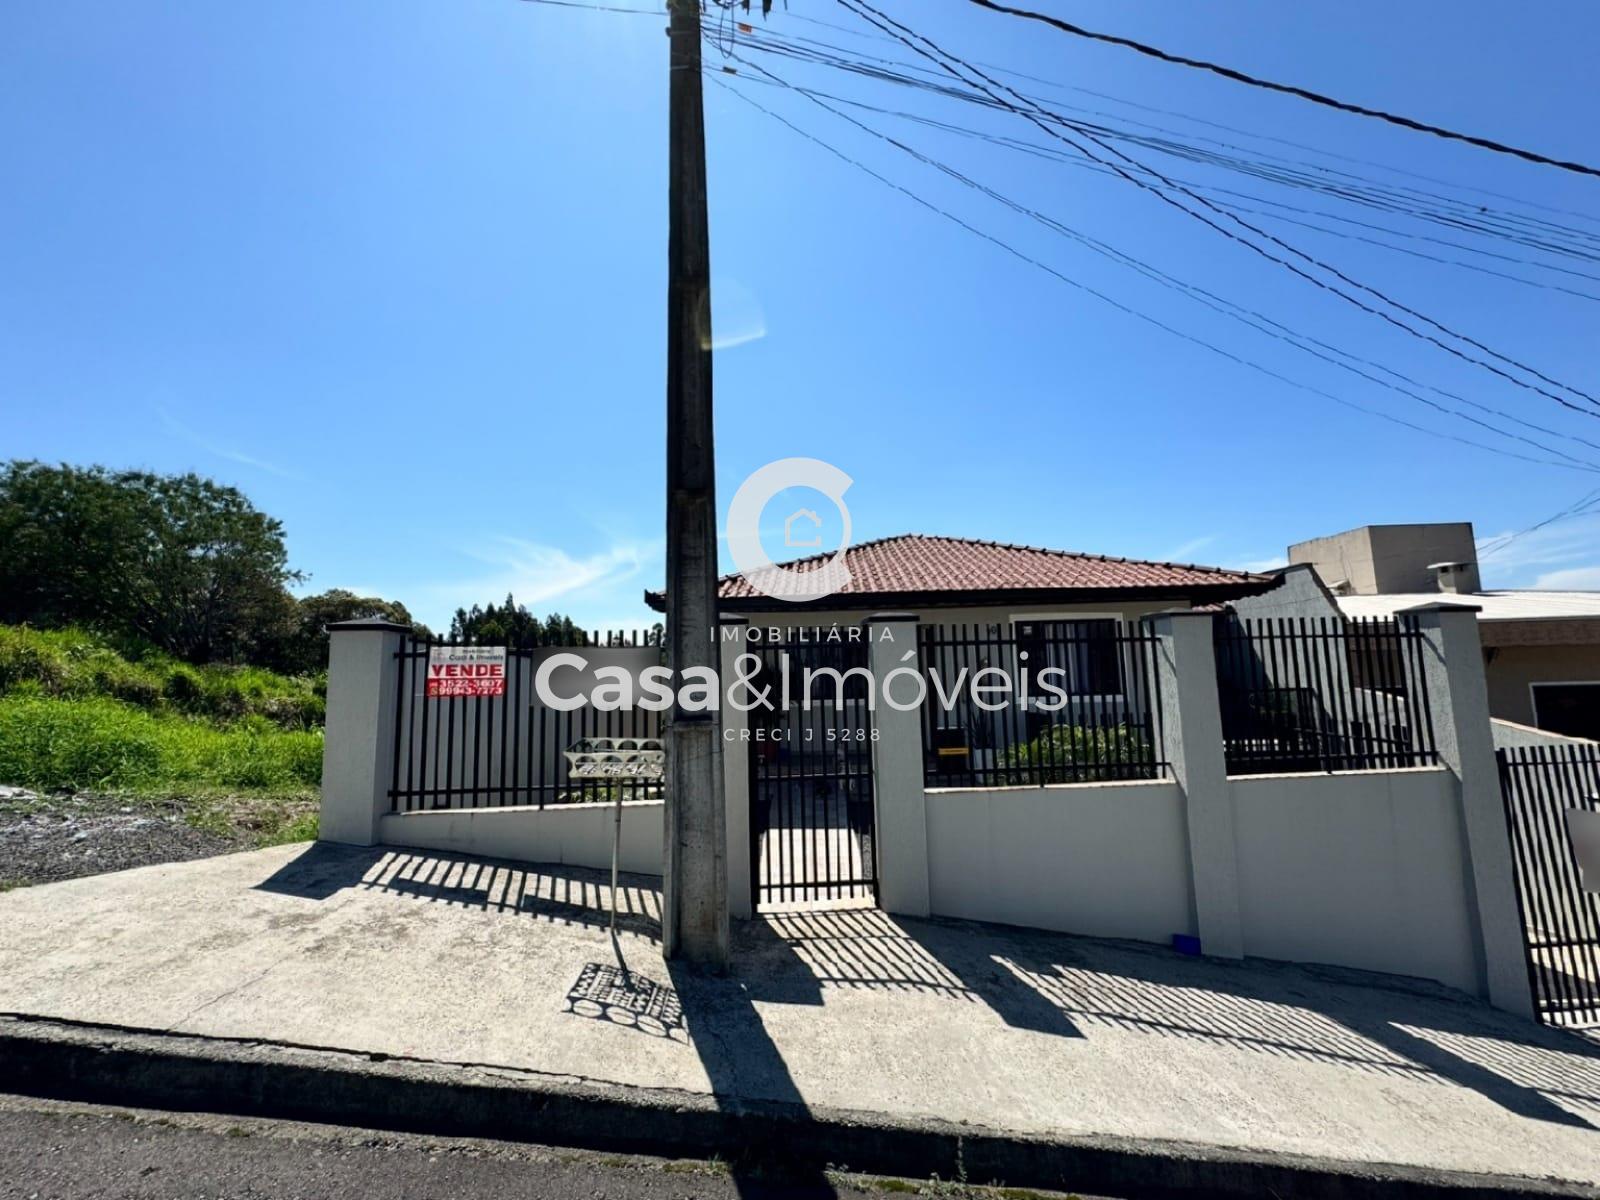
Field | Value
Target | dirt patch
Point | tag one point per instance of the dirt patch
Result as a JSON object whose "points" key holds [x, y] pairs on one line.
{"points": [[64, 836]]}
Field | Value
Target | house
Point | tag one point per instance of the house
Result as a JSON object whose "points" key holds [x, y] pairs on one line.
{"points": [[1541, 648], [965, 580]]}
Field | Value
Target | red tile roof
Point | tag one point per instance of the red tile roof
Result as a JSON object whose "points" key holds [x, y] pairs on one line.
{"points": [[951, 569]]}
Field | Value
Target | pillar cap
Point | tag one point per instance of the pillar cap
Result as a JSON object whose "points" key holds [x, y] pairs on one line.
{"points": [[885, 618], [367, 625]]}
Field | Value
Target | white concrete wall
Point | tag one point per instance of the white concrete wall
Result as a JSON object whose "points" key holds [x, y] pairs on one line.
{"points": [[1105, 859], [1509, 735], [1363, 869], [576, 835]]}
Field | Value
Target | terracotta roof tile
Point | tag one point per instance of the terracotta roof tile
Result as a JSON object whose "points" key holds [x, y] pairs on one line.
{"points": [[921, 564]]}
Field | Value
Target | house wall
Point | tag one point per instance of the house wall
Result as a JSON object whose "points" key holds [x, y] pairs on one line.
{"points": [[1360, 869], [1510, 669], [1299, 594], [1109, 859]]}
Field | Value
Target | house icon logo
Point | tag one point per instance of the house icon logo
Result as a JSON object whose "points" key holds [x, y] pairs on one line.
{"points": [[810, 579], [791, 537]]}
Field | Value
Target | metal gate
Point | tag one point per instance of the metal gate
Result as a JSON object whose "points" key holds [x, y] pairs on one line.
{"points": [[811, 811], [1561, 921]]}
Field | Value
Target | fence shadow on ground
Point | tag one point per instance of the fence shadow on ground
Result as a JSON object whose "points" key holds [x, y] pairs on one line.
{"points": [[1079, 987], [569, 895]]}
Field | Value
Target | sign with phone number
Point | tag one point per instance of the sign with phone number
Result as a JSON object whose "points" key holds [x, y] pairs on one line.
{"points": [[476, 672]]}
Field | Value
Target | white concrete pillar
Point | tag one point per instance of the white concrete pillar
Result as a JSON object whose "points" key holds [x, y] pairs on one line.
{"points": [[1191, 733], [1458, 701], [736, 773], [358, 737], [898, 799]]}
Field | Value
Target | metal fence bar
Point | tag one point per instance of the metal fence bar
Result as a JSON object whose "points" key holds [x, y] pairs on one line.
{"points": [[1323, 694], [1084, 711], [456, 751], [1561, 921]]}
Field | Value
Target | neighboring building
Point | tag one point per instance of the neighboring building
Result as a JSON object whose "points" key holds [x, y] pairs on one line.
{"points": [[963, 580], [1541, 648]]}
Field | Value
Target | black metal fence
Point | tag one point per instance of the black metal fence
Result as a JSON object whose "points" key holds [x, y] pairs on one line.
{"points": [[477, 752], [1322, 694], [812, 827], [1039, 702], [1542, 786]]}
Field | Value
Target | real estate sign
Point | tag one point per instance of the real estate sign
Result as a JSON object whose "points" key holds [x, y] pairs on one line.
{"points": [[473, 671]]}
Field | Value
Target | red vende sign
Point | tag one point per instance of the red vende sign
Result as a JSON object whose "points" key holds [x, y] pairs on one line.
{"points": [[472, 671]]}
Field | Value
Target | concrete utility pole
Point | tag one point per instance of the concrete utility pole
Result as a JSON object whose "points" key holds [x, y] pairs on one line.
{"points": [[694, 919]]}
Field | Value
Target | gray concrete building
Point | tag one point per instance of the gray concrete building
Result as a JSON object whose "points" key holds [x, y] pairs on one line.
{"points": [[1541, 648]]}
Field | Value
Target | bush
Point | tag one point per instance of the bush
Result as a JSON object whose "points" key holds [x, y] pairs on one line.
{"points": [[1077, 754], [95, 742], [184, 687], [26, 656], [73, 663]]}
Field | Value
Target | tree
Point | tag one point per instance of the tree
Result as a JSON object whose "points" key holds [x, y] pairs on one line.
{"points": [[512, 624], [300, 644], [178, 560]]}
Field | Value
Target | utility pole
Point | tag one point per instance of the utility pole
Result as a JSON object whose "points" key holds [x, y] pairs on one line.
{"points": [[694, 919]]}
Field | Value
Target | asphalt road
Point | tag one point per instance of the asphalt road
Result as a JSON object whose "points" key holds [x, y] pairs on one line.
{"points": [[53, 1150]]}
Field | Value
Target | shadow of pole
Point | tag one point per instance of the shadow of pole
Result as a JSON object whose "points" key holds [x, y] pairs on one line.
{"points": [[748, 1074]]}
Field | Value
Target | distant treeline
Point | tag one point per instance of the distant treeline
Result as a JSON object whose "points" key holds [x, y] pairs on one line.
{"points": [[185, 565]]}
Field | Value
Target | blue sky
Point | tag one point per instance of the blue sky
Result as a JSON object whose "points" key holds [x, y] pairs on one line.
{"points": [[397, 270]]}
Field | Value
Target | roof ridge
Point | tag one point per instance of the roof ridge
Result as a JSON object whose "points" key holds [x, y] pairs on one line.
{"points": [[998, 545]]}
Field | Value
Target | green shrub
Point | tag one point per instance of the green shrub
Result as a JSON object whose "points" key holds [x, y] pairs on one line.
{"points": [[184, 687], [74, 663], [29, 657], [1076, 754], [94, 742], [111, 676], [49, 743]]}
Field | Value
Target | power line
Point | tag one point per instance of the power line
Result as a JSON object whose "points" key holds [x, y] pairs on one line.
{"points": [[1581, 508], [1469, 216], [884, 22], [1249, 317], [1129, 310], [608, 8], [1292, 90], [1050, 154]]}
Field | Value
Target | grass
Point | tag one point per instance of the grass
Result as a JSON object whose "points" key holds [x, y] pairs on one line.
{"points": [[255, 819], [72, 664], [234, 751], [98, 743], [78, 711]]}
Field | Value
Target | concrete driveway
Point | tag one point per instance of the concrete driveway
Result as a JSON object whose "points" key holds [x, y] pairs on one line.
{"points": [[456, 960]]}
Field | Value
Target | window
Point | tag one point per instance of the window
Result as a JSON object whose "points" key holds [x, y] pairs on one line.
{"points": [[1087, 653], [1569, 708]]}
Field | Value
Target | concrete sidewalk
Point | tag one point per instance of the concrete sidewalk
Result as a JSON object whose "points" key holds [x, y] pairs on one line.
{"points": [[939, 1024]]}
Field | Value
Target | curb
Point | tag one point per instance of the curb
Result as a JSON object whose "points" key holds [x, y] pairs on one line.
{"points": [[102, 1064]]}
